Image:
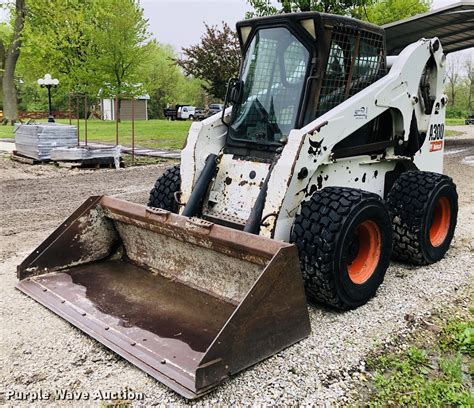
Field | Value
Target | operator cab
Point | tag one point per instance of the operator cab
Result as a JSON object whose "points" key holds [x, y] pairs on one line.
{"points": [[296, 67]]}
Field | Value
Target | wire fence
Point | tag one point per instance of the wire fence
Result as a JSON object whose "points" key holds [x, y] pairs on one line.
{"points": [[78, 102]]}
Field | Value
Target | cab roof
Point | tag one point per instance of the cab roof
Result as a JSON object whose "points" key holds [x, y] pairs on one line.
{"points": [[325, 18]]}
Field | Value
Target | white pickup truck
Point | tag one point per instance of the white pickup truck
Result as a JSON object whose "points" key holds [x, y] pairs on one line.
{"points": [[186, 112]]}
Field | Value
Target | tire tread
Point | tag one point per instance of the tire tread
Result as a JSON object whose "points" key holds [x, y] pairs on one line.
{"points": [[315, 233], [162, 194], [406, 202]]}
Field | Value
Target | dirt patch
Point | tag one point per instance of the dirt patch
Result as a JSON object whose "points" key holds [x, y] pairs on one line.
{"points": [[464, 130], [36, 198], [41, 351], [413, 367]]}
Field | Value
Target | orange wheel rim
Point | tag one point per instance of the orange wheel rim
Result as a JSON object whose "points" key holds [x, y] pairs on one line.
{"points": [[441, 222], [368, 253]]}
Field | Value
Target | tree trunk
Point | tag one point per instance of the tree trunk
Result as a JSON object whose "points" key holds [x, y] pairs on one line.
{"points": [[453, 83], [2, 65], [10, 108], [2, 57], [470, 76], [119, 103], [452, 75], [469, 101]]}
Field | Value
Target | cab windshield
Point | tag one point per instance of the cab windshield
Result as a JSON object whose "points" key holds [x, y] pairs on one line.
{"points": [[273, 74]]}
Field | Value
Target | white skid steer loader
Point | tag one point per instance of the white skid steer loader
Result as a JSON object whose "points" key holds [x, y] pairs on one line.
{"points": [[328, 163]]}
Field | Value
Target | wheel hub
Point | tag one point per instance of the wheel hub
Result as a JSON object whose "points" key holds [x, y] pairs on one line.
{"points": [[441, 222], [364, 251], [353, 249]]}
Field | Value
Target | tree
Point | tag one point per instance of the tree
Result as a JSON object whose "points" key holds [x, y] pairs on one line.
{"points": [[453, 75], [121, 45], [5, 38], [344, 7], [10, 109], [59, 38], [214, 60], [190, 90], [262, 8], [375, 11], [469, 66], [387, 11], [87, 45], [165, 82], [160, 75]]}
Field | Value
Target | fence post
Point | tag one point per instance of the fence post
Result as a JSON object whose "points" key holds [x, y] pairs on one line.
{"points": [[116, 114], [69, 108], [133, 129], [78, 124], [85, 117]]}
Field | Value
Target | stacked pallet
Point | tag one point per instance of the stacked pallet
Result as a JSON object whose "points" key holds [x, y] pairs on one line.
{"points": [[87, 154], [38, 140]]}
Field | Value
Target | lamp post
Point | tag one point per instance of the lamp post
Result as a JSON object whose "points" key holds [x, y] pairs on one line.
{"points": [[49, 82]]}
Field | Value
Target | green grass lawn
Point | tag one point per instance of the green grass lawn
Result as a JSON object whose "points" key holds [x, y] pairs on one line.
{"points": [[152, 133], [156, 133], [455, 121], [435, 371]]}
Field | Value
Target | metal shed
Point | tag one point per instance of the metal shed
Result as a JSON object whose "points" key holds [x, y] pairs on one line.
{"points": [[107, 107], [452, 24]]}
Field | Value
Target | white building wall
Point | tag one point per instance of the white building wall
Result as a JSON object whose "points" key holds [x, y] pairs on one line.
{"points": [[107, 109]]}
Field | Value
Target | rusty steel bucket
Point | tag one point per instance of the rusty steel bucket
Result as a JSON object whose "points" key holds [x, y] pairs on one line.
{"points": [[187, 301]]}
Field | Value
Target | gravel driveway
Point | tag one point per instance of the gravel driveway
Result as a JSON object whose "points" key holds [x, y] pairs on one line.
{"points": [[40, 351]]}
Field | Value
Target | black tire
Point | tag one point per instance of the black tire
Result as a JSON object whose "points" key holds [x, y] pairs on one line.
{"points": [[332, 232], [191, 117], [424, 209], [162, 195]]}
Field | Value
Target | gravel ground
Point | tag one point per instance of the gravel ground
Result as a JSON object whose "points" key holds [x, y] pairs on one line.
{"points": [[40, 351]]}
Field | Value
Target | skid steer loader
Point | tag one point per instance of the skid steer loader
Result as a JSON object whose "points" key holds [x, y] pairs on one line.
{"points": [[330, 155]]}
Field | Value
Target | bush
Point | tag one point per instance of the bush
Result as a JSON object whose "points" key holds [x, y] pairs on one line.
{"points": [[455, 112]]}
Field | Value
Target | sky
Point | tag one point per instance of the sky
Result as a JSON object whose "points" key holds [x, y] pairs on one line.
{"points": [[181, 22]]}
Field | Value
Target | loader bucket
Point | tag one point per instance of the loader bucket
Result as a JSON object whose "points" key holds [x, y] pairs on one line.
{"points": [[187, 301]]}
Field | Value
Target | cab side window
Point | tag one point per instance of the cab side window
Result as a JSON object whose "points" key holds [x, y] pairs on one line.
{"points": [[369, 64], [337, 70], [356, 60]]}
